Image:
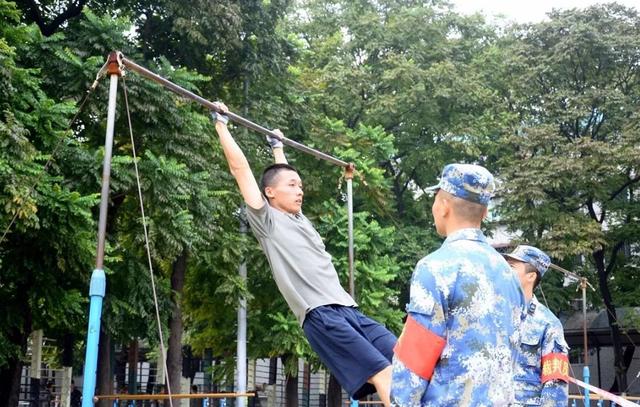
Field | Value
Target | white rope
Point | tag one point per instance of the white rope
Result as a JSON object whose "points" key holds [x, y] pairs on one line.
{"points": [[604, 394], [148, 250]]}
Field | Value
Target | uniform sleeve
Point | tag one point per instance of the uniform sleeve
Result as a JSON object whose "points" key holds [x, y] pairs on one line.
{"points": [[425, 329], [260, 220], [555, 367]]}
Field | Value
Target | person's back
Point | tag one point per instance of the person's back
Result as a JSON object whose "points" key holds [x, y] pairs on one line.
{"points": [[460, 341], [475, 367]]}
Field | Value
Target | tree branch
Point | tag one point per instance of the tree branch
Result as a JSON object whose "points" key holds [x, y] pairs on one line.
{"points": [[72, 11], [623, 187], [592, 117], [612, 260], [596, 128], [592, 211], [408, 181], [34, 14]]}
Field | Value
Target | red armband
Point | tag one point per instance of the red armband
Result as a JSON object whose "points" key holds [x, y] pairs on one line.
{"points": [[419, 348], [555, 366]]}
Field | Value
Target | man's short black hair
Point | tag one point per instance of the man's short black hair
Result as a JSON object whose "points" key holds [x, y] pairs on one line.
{"points": [[270, 174]]}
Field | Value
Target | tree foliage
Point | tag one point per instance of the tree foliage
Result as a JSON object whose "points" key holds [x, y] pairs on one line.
{"points": [[572, 172], [399, 88]]}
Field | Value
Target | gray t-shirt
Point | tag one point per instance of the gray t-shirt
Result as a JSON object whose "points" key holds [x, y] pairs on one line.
{"points": [[301, 266]]}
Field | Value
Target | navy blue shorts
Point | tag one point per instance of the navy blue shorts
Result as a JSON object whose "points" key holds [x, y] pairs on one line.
{"points": [[352, 346]]}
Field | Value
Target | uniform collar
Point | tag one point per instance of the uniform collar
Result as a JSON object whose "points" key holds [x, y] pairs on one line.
{"points": [[466, 234], [533, 305]]}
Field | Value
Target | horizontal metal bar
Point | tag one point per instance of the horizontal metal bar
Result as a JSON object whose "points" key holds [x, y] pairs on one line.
{"points": [[173, 396], [232, 116]]}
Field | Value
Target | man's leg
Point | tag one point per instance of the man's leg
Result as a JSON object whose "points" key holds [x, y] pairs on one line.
{"points": [[335, 335], [382, 382]]}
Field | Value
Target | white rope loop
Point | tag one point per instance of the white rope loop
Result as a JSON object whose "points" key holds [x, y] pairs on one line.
{"points": [[147, 248]]}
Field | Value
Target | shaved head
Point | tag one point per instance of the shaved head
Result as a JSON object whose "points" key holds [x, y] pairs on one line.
{"points": [[465, 210]]}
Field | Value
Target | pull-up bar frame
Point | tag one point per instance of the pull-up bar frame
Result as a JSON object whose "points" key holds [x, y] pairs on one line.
{"points": [[114, 67]]}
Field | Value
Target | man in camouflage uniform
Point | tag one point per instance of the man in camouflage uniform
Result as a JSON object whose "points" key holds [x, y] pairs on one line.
{"points": [[461, 338], [543, 363]]}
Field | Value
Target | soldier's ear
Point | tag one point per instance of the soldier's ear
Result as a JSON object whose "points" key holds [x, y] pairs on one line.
{"points": [[444, 204]]}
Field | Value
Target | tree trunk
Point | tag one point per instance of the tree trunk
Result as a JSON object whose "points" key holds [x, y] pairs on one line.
{"points": [[174, 352], [628, 358], [291, 391], [10, 374], [68, 342], [291, 384], [619, 364], [120, 368], [9, 382], [133, 367], [35, 14], [334, 393], [104, 382]]}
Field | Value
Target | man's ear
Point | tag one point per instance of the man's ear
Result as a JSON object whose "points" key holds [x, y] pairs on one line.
{"points": [[268, 191], [486, 213], [445, 206]]}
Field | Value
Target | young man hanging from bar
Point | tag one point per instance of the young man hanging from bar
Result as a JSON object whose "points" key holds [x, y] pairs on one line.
{"points": [[355, 348]]}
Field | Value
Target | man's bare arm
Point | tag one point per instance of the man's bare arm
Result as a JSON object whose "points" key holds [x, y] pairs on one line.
{"points": [[238, 164]]}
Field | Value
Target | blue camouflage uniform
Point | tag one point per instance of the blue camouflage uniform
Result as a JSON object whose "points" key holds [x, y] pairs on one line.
{"points": [[543, 363], [466, 294]]}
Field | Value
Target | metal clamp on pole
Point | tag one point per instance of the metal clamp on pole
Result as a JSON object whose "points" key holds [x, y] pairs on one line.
{"points": [[114, 64]]}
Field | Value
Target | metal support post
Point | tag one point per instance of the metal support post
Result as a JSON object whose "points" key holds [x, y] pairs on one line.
{"points": [[98, 280], [348, 174]]}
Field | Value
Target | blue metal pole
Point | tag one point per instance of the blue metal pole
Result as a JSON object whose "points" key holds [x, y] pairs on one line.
{"points": [[585, 369], [585, 377], [96, 292], [98, 280]]}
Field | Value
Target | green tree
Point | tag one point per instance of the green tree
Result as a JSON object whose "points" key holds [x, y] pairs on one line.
{"points": [[571, 176], [47, 226]]}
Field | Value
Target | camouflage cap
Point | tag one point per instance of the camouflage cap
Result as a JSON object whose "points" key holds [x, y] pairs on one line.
{"points": [[467, 181], [531, 255]]}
